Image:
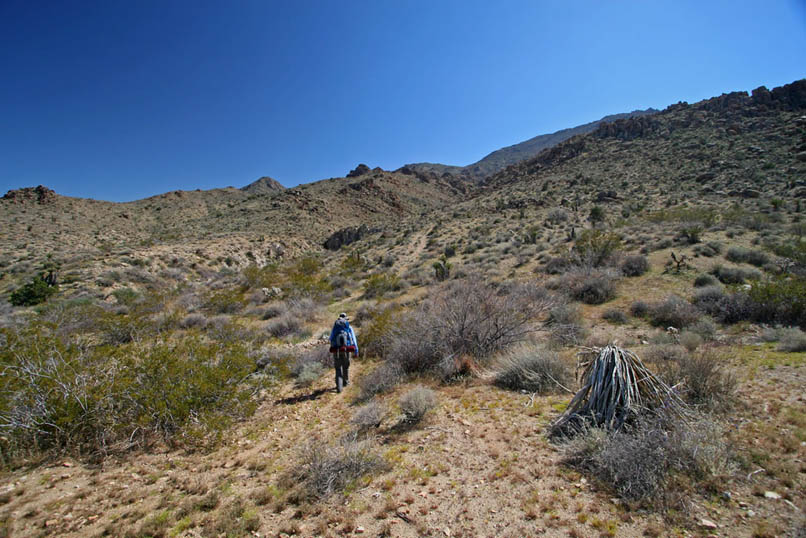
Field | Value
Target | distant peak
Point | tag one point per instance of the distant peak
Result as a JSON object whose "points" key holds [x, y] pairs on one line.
{"points": [[264, 185]]}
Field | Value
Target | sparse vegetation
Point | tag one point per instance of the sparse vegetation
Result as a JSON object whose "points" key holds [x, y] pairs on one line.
{"points": [[416, 403]]}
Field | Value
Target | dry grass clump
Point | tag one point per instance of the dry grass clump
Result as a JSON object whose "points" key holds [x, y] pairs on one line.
{"points": [[369, 416], [416, 403], [194, 321], [531, 368], [614, 315], [646, 461], [327, 469]]}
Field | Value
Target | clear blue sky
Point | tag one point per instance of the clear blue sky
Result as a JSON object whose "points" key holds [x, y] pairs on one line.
{"points": [[120, 100]]}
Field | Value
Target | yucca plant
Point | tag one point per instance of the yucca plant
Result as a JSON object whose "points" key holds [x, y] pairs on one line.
{"points": [[616, 387]]}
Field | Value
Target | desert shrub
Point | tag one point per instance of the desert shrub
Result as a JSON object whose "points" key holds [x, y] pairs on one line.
{"points": [[690, 340], [614, 315], [744, 255], [665, 353], [591, 286], [369, 416], [380, 284], [639, 309], [703, 379], [792, 340], [564, 322], [644, 463], [34, 292], [734, 275], [635, 265], [254, 277], [376, 334], [558, 265], [285, 325], [596, 247], [709, 250], [382, 379], [194, 321], [557, 215], [227, 301], [594, 289], [532, 369], [416, 403], [275, 310], [704, 327], [673, 312], [779, 300], [310, 366], [705, 280], [709, 299], [62, 396], [465, 318], [327, 469], [691, 233]]}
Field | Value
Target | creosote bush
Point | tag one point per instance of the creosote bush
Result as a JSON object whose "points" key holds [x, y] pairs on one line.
{"points": [[64, 396], [590, 286], [792, 340], [703, 379], [416, 403], [383, 378], [310, 366], [531, 368]]}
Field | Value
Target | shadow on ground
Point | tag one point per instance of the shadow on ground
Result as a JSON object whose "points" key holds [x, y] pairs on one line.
{"points": [[315, 395]]}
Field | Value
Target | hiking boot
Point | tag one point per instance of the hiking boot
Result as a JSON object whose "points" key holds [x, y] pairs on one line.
{"points": [[346, 382]]}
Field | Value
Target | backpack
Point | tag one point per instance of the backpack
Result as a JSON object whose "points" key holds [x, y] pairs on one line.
{"points": [[342, 336]]}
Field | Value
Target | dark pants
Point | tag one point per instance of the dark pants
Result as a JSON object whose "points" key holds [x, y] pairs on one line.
{"points": [[341, 361]]}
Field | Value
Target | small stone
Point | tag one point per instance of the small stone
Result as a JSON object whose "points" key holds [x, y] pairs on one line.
{"points": [[51, 522], [446, 531], [360, 530], [751, 513], [67, 464], [708, 524], [726, 495], [771, 495]]}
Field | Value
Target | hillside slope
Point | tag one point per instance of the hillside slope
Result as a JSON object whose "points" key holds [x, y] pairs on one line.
{"points": [[501, 158]]}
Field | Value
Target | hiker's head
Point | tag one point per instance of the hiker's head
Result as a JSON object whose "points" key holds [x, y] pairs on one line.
{"points": [[343, 316]]}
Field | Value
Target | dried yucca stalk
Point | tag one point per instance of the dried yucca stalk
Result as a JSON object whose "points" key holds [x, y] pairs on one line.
{"points": [[616, 387]]}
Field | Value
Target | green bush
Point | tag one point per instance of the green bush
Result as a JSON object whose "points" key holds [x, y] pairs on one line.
{"points": [[34, 292], [380, 284], [63, 396], [596, 247]]}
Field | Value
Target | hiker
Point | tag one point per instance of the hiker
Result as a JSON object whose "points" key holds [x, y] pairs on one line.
{"points": [[342, 343]]}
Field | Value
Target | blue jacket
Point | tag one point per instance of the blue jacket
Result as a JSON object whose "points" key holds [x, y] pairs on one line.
{"points": [[350, 335]]}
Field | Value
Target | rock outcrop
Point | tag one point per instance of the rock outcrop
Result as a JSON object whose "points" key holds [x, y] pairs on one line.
{"points": [[39, 194]]}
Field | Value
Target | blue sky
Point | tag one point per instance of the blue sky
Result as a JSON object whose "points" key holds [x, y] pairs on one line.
{"points": [[119, 100]]}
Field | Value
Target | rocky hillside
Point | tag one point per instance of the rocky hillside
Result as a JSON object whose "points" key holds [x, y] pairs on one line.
{"points": [[501, 158], [239, 226]]}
